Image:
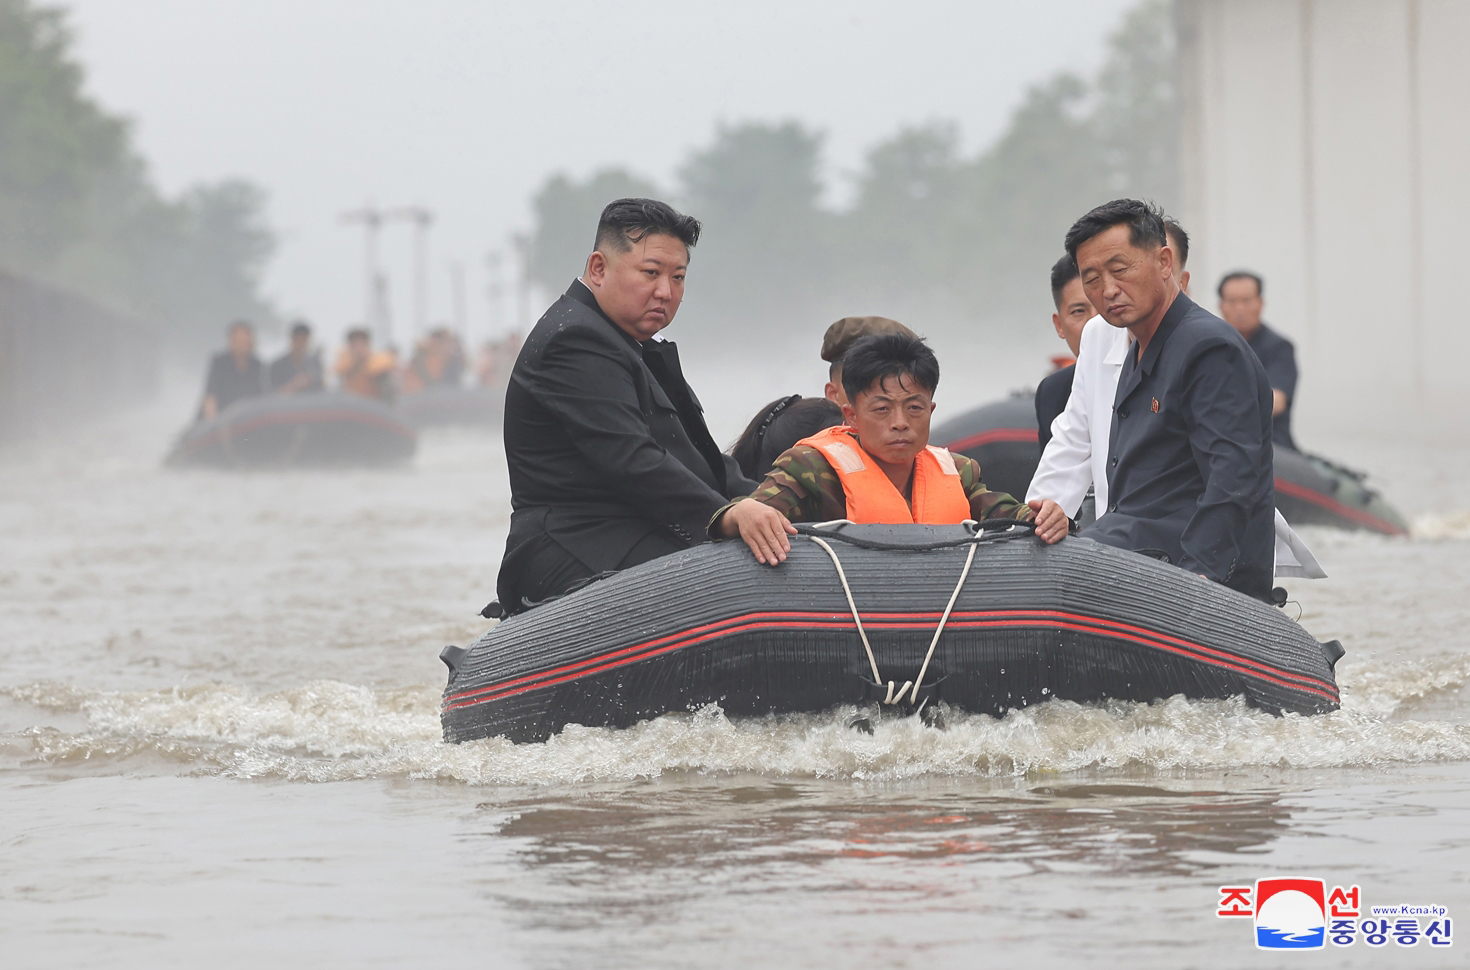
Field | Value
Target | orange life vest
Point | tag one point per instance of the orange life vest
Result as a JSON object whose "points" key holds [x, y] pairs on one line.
{"points": [[938, 496]]}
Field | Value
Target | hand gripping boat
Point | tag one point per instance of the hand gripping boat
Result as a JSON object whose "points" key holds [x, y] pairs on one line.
{"points": [[982, 618]]}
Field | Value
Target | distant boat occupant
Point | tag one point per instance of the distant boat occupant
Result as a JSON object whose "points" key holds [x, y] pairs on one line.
{"points": [[1241, 306], [234, 374], [1072, 313], [1190, 469], [879, 467], [611, 464], [438, 361], [299, 369], [363, 371]]}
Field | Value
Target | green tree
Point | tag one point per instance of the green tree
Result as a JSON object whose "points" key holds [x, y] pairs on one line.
{"points": [[77, 206], [566, 214]]}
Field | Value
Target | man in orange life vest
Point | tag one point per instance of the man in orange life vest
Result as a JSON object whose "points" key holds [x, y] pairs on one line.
{"points": [[879, 466]]}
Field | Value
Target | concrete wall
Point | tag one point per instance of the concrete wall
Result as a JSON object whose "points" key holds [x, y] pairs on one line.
{"points": [[63, 357], [1327, 147]]}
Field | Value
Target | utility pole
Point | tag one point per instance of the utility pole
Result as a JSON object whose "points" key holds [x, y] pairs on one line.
{"points": [[456, 291], [422, 219], [495, 292], [373, 315]]}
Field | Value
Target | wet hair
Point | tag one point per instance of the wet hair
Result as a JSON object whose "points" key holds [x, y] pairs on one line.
{"points": [[359, 333], [1178, 238], [886, 355], [245, 325], [778, 426], [301, 329], [628, 221], [1240, 274], [1063, 271], [1145, 222]]}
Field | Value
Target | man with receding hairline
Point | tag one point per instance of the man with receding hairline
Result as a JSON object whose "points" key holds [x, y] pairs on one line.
{"points": [[611, 464]]}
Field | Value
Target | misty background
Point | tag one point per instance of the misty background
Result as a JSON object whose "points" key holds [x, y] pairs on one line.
{"points": [[187, 164]]}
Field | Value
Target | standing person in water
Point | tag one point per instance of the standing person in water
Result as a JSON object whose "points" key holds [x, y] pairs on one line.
{"points": [[1241, 306], [299, 369], [1189, 467], [234, 374], [610, 461], [879, 467]]}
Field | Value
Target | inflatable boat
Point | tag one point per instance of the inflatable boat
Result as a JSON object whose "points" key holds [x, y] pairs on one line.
{"points": [[1310, 490], [980, 617], [436, 406], [296, 430]]}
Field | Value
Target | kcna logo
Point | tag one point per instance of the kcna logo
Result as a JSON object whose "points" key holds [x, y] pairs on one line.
{"points": [[1300, 914]]}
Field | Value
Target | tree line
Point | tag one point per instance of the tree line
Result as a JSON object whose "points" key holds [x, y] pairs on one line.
{"points": [[959, 241], [79, 209]]}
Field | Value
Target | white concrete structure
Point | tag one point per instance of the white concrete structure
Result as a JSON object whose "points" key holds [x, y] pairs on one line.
{"points": [[1327, 147]]}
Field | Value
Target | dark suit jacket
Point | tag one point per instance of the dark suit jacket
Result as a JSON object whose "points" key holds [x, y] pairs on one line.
{"points": [[1190, 471], [1051, 400], [605, 442]]}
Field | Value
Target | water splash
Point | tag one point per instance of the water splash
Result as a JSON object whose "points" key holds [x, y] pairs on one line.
{"points": [[329, 731]]}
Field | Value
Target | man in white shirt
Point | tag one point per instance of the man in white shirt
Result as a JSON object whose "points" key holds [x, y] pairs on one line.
{"points": [[1071, 464]]}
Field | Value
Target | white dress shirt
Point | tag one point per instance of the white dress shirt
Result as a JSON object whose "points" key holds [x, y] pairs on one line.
{"points": [[1071, 463], [1077, 454]]}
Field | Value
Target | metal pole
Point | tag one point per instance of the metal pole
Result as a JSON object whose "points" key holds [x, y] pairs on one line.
{"points": [[371, 218], [422, 219]]}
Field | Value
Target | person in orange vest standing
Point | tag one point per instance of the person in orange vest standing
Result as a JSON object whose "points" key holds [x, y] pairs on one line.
{"points": [[878, 467]]}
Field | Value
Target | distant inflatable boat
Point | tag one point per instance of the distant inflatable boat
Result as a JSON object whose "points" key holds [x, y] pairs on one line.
{"points": [[298, 430], [1002, 437], [907, 616], [438, 406]]}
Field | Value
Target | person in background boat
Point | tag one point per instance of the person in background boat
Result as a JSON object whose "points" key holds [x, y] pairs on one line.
{"points": [[496, 359], [841, 336], [299, 369], [234, 374], [1074, 449], [438, 361], [1189, 472], [1072, 313], [1241, 304], [879, 466], [364, 371], [611, 464]]}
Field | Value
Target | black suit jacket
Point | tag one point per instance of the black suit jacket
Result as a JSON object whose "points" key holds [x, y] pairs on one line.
{"points": [[1051, 400], [1190, 472], [605, 442]]}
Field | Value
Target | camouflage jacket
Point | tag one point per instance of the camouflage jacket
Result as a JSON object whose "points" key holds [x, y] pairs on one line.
{"points": [[803, 487]]}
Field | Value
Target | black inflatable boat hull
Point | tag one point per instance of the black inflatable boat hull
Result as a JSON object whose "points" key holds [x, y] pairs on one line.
{"points": [[298, 430], [1076, 620], [1002, 437], [438, 406]]}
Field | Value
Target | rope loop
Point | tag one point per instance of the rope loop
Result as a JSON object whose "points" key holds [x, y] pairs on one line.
{"points": [[909, 687]]}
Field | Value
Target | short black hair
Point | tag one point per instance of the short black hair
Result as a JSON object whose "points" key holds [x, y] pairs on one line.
{"points": [[1145, 222], [1063, 271], [886, 355], [626, 221], [778, 426], [1178, 238], [359, 332], [1240, 274], [301, 329]]}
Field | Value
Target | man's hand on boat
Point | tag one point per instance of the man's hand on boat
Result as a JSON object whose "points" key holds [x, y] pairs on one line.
{"points": [[1051, 521], [764, 530]]}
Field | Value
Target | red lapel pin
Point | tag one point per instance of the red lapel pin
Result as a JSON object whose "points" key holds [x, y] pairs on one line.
{"points": [[1156, 406]]}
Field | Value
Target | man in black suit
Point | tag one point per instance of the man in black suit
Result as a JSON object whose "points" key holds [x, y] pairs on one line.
{"points": [[1190, 472], [611, 464], [1073, 312]]}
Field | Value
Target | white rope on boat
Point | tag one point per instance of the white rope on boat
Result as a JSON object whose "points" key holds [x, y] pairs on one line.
{"points": [[911, 687]]}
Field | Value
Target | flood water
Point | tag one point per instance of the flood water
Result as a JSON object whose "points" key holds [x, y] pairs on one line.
{"points": [[219, 746]]}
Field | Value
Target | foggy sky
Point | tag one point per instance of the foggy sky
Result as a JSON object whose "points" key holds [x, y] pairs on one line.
{"points": [[466, 106]]}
